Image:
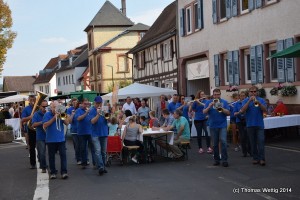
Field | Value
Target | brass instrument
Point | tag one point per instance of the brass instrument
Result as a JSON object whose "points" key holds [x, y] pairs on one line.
{"points": [[256, 103], [218, 105], [61, 110], [40, 97], [103, 113], [199, 101]]}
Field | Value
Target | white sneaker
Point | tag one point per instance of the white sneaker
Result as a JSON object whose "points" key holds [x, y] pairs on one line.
{"points": [[134, 159], [170, 155], [79, 163]]}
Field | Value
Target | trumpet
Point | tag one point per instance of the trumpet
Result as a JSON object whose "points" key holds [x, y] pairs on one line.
{"points": [[106, 115], [61, 110], [256, 103], [218, 105]]}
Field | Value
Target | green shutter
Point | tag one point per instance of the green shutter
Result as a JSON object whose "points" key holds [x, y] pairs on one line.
{"points": [[280, 63], [236, 68], [234, 8], [259, 63], [253, 65], [289, 62], [217, 69]]}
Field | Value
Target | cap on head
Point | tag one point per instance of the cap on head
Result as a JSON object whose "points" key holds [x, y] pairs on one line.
{"points": [[98, 99]]}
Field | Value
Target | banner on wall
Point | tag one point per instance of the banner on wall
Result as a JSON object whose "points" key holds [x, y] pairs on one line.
{"points": [[197, 70]]}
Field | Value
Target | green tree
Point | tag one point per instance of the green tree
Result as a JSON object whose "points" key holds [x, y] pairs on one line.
{"points": [[7, 36], [121, 85]]}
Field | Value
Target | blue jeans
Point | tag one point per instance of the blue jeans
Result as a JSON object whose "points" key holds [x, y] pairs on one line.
{"points": [[76, 145], [220, 134], [84, 141], [41, 148], [257, 141], [53, 147], [201, 125], [100, 145]]}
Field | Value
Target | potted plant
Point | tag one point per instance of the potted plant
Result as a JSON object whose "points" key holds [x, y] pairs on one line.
{"points": [[6, 133], [275, 90], [289, 91], [232, 88]]}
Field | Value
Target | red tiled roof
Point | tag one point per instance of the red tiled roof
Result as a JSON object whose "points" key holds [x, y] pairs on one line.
{"points": [[18, 83]]}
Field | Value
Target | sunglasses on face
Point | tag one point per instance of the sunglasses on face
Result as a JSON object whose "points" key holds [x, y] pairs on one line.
{"points": [[253, 91], [44, 106]]}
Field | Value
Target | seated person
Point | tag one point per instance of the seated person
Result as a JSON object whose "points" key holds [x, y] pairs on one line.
{"points": [[280, 109], [183, 133], [153, 122], [143, 121], [130, 134], [270, 108], [113, 126]]}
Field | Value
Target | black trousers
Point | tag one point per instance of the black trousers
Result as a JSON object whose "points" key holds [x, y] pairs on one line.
{"points": [[32, 145]]}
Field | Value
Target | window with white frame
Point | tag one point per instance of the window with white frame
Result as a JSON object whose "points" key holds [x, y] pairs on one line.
{"points": [[273, 63], [169, 84], [67, 80], [58, 81], [64, 82], [247, 66], [222, 10], [225, 66], [41, 88], [142, 34], [188, 23], [166, 51], [157, 83], [72, 78], [47, 89], [244, 6]]}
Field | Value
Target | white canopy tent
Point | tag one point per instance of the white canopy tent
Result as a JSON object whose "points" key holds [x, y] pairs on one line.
{"points": [[141, 91], [14, 98]]}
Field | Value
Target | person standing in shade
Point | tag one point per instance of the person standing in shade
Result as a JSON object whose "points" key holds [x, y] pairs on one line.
{"points": [[254, 107], [159, 106], [71, 113], [37, 123], [55, 139], [144, 111], [26, 116], [173, 105], [99, 134], [218, 110], [129, 105]]}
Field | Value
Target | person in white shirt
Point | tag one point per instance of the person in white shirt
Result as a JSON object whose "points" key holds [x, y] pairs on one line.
{"points": [[11, 110], [129, 105]]}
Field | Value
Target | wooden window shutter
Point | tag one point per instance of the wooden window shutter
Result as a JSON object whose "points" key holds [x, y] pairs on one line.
{"points": [[228, 9], [234, 7], [182, 22], [236, 68], [230, 67], [280, 63], [259, 3], [217, 68], [289, 62], [171, 49], [200, 14], [259, 63], [253, 65], [214, 13], [251, 5]]}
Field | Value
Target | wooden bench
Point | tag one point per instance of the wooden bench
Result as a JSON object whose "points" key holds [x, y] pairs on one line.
{"points": [[184, 146], [131, 150]]}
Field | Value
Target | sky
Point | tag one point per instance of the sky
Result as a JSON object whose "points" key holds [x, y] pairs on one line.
{"points": [[46, 29]]}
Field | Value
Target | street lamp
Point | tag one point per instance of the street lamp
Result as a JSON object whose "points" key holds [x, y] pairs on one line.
{"points": [[112, 74]]}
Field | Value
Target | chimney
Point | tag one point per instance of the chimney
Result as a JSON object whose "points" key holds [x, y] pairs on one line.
{"points": [[123, 9]]}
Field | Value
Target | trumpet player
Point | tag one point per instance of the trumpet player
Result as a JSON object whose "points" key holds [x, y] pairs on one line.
{"points": [[37, 123], [31, 134], [99, 134], [218, 110], [55, 139], [253, 108]]}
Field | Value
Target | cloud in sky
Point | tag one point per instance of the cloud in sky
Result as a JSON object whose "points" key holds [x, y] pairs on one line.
{"points": [[53, 40], [146, 17]]}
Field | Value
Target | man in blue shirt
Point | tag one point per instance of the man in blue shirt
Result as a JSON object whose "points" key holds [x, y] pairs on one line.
{"points": [[71, 113], [172, 105], [84, 131], [26, 116], [37, 123], [218, 110], [99, 134], [254, 107], [55, 139]]}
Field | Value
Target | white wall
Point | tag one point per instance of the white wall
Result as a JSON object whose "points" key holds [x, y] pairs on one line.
{"points": [[70, 87]]}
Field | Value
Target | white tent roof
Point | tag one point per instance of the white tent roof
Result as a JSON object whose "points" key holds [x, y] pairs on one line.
{"points": [[140, 90], [14, 98]]}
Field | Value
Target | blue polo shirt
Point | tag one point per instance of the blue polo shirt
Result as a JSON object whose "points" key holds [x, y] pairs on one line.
{"points": [[198, 109], [181, 121], [74, 121], [172, 107], [52, 134], [100, 128], [40, 133], [25, 113], [185, 112], [237, 107], [216, 119], [84, 127], [254, 115]]}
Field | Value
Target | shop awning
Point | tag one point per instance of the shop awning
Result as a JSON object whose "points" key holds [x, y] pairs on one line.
{"points": [[291, 52], [197, 70]]}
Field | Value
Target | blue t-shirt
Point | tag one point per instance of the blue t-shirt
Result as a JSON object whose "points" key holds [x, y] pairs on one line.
{"points": [[181, 121], [198, 109], [112, 129], [237, 107], [25, 113], [84, 126], [100, 128], [172, 107], [40, 133], [177, 105], [52, 134], [254, 115], [216, 119], [185, 112], [74, 121]]}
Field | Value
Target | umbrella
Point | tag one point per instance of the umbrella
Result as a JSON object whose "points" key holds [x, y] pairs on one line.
{"points": [[14, 98], [291, 52]]}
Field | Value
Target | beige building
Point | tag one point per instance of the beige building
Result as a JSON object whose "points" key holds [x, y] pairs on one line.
{"points": [[235, 38], [110, 36]]}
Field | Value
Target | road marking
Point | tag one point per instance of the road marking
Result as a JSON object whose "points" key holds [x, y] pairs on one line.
{"points": [[263, 195], [285, 149], [42, 186], [11, 145]]}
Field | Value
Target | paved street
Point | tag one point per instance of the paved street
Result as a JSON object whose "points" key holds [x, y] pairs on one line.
{"points": [[163, 179]]}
